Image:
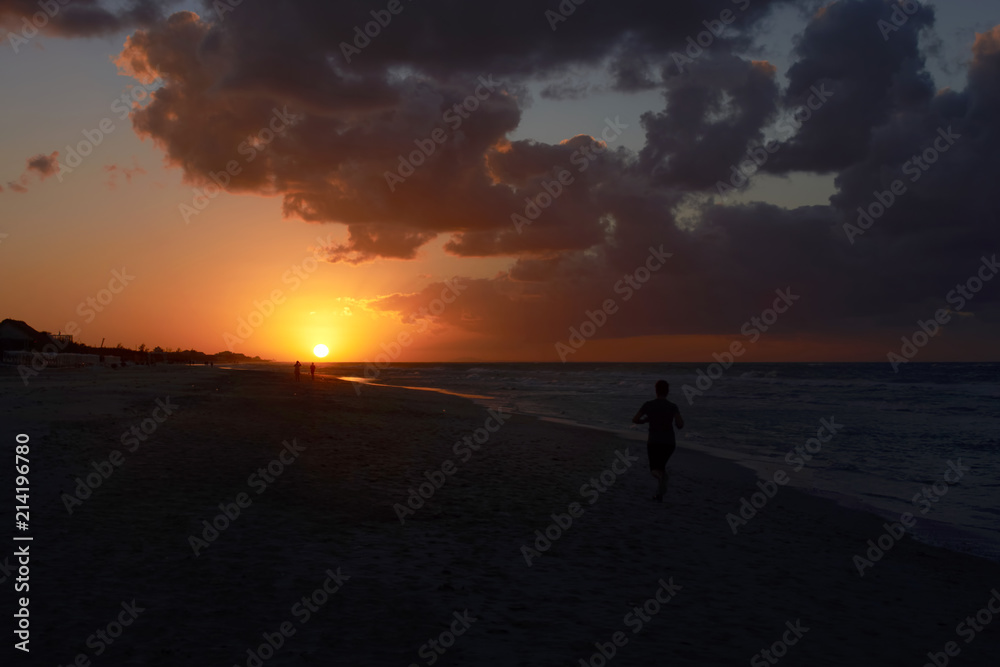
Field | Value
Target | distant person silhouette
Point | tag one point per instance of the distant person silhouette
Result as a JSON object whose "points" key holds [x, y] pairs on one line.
{"points": [[312, 371], [298, 369], [661, 415]]}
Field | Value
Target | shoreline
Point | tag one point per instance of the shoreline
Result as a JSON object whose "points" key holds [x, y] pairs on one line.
{"points": [[462, 549], [930, 531]]}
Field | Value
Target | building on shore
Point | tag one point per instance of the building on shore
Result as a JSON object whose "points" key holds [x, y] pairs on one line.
{"points": [[16, 335]]}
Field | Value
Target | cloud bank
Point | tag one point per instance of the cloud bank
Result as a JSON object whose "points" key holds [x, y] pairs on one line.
{"points": [[399, 130]]}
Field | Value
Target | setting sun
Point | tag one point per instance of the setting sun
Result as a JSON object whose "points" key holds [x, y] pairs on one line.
{"points": [[321, 350]]}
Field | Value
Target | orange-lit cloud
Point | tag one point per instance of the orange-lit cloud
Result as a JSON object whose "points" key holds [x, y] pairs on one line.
{"points": [[114, 172], [987, 43]]}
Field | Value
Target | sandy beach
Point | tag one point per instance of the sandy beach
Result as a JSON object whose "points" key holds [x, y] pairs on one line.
{"points": [[313, 564]]}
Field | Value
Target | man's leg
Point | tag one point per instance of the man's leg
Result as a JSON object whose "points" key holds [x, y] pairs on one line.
{"points": [[658, 474], [671, 448]]}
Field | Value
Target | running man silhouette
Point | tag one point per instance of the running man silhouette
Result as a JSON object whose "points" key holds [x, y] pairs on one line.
{"points": [[298, 369], [661, 415], [312, 371]]}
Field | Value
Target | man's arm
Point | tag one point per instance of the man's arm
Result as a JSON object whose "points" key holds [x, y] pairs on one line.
{"points": [[678, 420], [640, 417]]}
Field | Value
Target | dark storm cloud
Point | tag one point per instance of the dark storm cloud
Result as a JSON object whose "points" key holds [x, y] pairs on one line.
{"points": [[871, 73], [73, 18], [713, 112], [717, 278], [943, 154], [931, 238], [408, 142], [511, 39]]}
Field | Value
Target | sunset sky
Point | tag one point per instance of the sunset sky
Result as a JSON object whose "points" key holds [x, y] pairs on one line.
{"points": [[640, 125]]}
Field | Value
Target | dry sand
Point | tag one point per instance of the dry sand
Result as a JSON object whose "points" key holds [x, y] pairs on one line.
{"points": [[333, 507]]}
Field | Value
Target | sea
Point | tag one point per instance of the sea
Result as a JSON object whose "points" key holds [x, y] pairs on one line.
{"points": [[923, 440]]}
